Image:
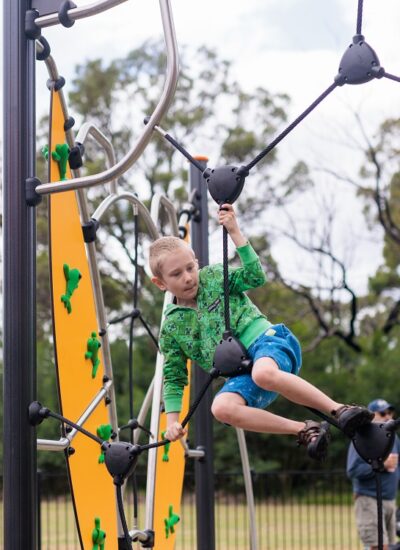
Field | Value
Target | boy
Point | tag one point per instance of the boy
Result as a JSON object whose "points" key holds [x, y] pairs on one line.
{"points": [[193, 328]]}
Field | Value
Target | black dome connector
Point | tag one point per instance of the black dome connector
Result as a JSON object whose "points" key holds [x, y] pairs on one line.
{"points": [[359, 63], [225, 183]]}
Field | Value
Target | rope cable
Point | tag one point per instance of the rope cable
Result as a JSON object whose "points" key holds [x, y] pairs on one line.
{"points": [[121, 511], [291, 126], [378, 484], [359, 16], [226, 278]]}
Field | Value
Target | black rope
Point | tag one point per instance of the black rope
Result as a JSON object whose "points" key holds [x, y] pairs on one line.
{"points": [[195, 404], [121, 511], [146, 326], [226, 278], [76, 426], [359, 16], [378, 484], [184, 152], [391, 76], [291, 126], [322, 415]]}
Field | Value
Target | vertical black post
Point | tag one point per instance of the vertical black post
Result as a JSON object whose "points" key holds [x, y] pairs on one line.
{"points": [[204, 469], [20, 500]]}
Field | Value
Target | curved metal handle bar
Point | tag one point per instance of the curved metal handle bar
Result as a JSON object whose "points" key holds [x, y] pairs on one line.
{"points": [[160, 202], [89, 129], [161, 108], [131, 198], [53, 445], [79, 12]]}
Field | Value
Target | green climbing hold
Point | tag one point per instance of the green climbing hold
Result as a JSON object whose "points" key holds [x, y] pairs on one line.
{"points": [[165, 457], [60, 155], [45, 152], [170, 522], [72, 278], [98, 536], [104, 431], [93, 345]]}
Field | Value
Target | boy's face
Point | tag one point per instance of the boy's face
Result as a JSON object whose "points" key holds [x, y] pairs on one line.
{"points": [[180, 275]]}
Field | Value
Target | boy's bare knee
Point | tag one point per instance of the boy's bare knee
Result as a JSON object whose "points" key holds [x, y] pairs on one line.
{"points": [[266, 376], [224, 411]]}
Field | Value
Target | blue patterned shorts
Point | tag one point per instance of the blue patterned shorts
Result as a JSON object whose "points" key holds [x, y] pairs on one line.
{"points": [[284, 348]]}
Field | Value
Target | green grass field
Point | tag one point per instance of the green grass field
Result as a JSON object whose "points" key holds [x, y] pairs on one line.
{"points": [[293, 526]]}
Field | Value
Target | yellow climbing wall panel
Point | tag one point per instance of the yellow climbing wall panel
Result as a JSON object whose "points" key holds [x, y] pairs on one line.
{"points": [[169, 483], [91, 484]]}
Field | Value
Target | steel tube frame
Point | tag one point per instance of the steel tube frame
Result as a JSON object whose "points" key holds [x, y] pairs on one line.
{"points": [[204, 469], [79, 12], [134, 153], [19, 270]]}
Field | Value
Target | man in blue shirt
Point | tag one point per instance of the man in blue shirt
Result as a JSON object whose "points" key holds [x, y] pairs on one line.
{"points": [[364, 487]]}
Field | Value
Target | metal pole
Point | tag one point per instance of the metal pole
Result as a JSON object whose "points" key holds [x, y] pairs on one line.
{"points": [[204, 468], [20, 493]]}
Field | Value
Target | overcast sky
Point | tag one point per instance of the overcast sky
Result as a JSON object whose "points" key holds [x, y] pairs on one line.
{"points": [[291, 46]]}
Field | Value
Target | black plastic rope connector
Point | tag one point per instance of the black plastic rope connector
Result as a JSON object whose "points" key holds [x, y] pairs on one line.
{"points": [[75, 156], [225, 183], [89, 230], [37, 413], [32, 198], [149, 543], [64, 18], [32, 30], [69, 123], [55, 85], [44, 54], [359, 63]]}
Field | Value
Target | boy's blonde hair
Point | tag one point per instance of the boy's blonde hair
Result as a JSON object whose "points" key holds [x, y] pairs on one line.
{"points": [[161, 247]]}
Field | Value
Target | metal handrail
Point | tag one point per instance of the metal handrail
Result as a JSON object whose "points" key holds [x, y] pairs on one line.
{"points": [[79, 12], [133, 199], [161, 202], [89, 129], [166, 98]]}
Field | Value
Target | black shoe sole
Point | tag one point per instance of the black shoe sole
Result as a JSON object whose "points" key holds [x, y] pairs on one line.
{"points": [[318, 448], [350, 426]]}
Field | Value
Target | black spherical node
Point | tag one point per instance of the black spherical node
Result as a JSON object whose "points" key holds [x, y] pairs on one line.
{"points": [[120, 458], [374, 442], [359, 63], [225, 183]]}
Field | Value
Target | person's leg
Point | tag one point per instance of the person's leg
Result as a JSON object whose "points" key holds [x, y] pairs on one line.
{"points": [[367, 522], [389, 507], [267, 375]]}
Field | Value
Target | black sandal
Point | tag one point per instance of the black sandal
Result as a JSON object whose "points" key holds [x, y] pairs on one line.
{"points": [[352, 417], [316, 437]]}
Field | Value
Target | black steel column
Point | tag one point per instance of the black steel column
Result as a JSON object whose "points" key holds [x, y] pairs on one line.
{"points": [[204, 469], [20, 500]]}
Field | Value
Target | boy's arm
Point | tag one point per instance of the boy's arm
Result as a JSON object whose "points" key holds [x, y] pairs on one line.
{"points": [[175, 371], [251, 274]]}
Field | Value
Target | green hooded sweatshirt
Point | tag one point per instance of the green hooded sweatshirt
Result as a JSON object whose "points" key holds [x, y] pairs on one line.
{"points": [[189, 333]]}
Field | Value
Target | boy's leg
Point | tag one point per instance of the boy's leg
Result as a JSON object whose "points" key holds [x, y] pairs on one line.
{"points": [[231, 408], [267, 375]]}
